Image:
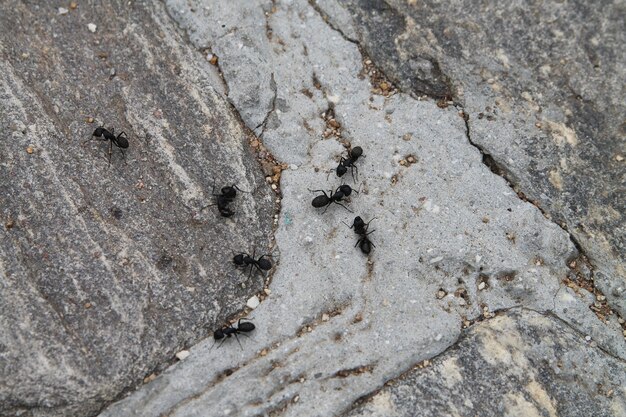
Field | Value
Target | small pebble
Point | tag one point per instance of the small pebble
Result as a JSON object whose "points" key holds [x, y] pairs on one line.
{"points": [[481, 286], [73, 5], [263, 352], [63, 10], [253, 302], [325, 317], [293, 167], [601, 297], [92, 28], [267, 291], [183, 354], [441, 294], [112, 72], [619, 158], [587, 338]]}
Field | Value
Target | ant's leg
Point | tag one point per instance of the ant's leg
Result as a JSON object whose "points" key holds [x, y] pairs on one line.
{"points": [[352, 169], [241, 347], [110, 152], [220, 345], [343, 206], [121, 133], [234, 186], [327, 205]]}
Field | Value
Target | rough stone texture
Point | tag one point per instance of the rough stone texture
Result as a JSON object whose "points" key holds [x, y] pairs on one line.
{"points": [[543, 85], [338, 324], [519, 364], [107, 271]]}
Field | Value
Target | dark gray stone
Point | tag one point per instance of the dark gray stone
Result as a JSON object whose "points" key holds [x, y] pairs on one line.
{"points": [[518, 364], [543, 86], [107, 271]]}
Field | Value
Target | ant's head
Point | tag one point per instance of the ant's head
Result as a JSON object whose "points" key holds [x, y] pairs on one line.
{"points": [[229, 191], [341, 170], [264, 264], [356, 152], [358, 222], [239, 259], [226, 212], [345, 189]]}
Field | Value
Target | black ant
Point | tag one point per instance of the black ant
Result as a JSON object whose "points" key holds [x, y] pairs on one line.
{"points": [[228, 331], [326, 200], [353, 155], [262, 263], [360, 228], [103, 134], [227, 196]]}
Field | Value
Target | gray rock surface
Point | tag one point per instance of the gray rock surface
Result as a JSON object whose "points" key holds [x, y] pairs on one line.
{"points": [[543, 86], [518, 364], [107, 271], [454, 243]]}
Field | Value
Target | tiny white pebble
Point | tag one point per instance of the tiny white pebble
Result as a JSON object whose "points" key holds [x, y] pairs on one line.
{"points": [[92, 27], [253, 302], [325, 317], [267, 291], [587, 338], [437, 259], [438, 337], [293, 167], [481, 286], [63, 10], [182, 354], [274, 186]]}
